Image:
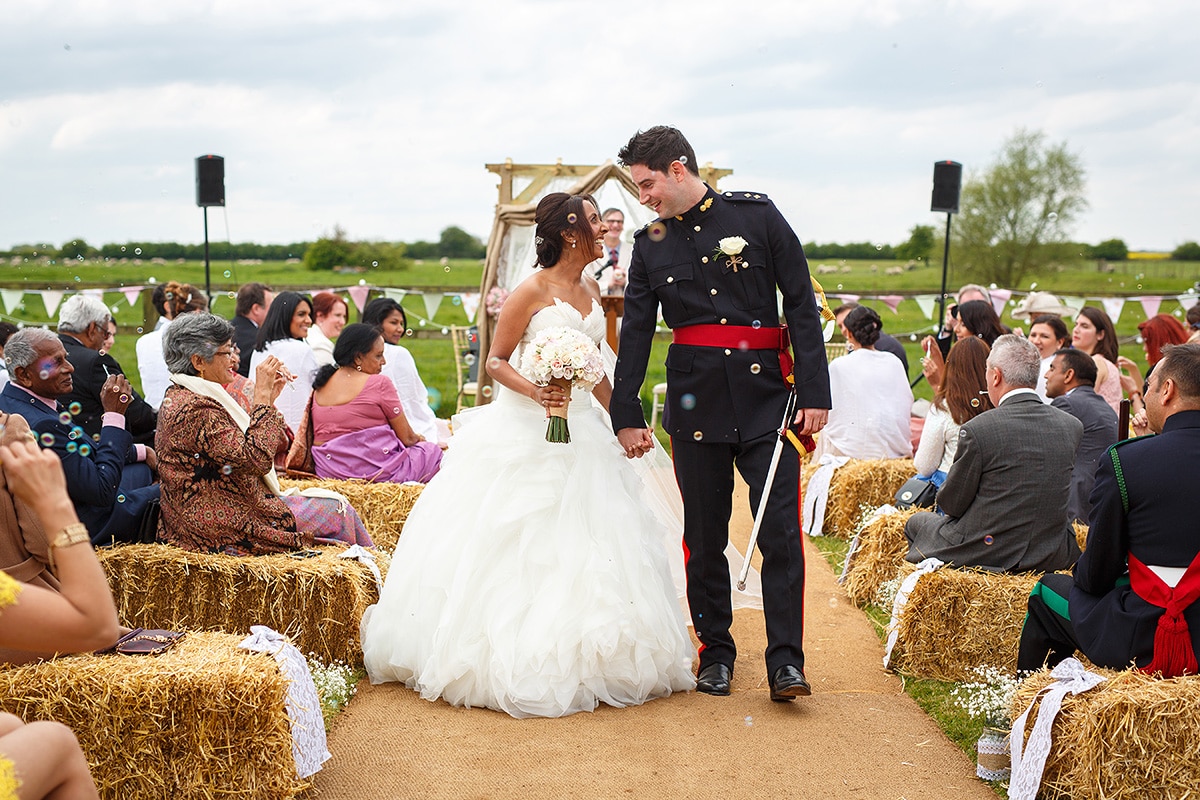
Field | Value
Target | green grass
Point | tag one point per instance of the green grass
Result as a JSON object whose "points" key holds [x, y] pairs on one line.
{"points": [[934, 697]]}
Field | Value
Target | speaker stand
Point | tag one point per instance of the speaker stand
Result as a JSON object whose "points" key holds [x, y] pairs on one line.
{"points": [[208, 282], [941, 320]]}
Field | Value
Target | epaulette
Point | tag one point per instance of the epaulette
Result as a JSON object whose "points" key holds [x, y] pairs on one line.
{"points": [[745, 197]]}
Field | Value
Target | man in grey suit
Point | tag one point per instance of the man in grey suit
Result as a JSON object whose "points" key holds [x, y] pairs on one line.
{"points": [[1069, 381], [1005, 497]]}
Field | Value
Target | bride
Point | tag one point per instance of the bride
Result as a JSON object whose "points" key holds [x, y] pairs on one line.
{"points": [[531, 577]]}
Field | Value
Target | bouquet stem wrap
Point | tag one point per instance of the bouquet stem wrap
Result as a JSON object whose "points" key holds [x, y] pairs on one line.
{"points": [[556, 429]]}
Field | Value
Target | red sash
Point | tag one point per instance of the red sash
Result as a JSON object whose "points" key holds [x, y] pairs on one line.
{"points": [[1173, 651], [740, 337]]}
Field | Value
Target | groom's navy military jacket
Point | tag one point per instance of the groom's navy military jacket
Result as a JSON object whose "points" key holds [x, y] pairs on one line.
{"points": [[720, 394]]}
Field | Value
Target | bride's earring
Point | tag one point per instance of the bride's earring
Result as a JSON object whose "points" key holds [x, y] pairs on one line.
{"points": [[572, 245], [358, 367]]}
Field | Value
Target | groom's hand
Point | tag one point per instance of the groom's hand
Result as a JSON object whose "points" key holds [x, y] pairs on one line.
{"points": [[811, 420], [636, 442]]}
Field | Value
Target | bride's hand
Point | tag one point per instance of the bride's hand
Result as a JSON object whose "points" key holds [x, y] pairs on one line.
{"points": [[549, 396]]}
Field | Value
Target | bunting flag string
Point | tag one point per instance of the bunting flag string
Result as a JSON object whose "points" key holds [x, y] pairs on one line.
{"points": [[926, 303], [12, 298], [359, 295], [432, 301], [892, 301], [470, 304], [1113, 305], [132, 293], [1000, 298], [1150, 305], [1187, 300], [51, 298]]}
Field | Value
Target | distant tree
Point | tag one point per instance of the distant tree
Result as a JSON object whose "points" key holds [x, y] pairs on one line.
{"points": [[422, 250], [1016, 214], [380, 255], [329, 251], [919, 245], [1188, 251], [1110, 250], [76, 249], [457, 243]]}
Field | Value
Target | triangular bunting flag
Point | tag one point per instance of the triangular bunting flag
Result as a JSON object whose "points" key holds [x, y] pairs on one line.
{"points": [[94, 293], [892, 301], [1187, 300], [1074, 303], [132, 293], [51, 298], [926, 302], [847, 298], [395, 294], [359, 295], [12, 298], [1150, 305], [432, 301], [1113, 306], [1000, 298], [470, 303]]}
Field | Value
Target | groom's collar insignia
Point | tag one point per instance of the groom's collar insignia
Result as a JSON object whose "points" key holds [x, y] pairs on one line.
{"points": [[706, 205]]}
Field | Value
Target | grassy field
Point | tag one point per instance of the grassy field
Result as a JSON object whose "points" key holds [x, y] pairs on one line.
{"points": [[431, 348]]}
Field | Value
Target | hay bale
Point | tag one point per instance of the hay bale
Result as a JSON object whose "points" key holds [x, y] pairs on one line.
{"points": [[959, 619], [1133, 736], [878, 557], [383, 506], [318, 602], [205, 719], [857, 487], [1081, 534]]}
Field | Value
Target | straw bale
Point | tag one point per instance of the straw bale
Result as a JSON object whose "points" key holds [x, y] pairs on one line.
{"points": [[383, 507], [861, 485], [318, 602], [1134, 736], [959, 619], [1081, 534], [878, 557], [203, 720]]}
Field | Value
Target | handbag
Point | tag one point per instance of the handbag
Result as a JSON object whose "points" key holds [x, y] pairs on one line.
{"points": [[917, 492], [144, 642]]}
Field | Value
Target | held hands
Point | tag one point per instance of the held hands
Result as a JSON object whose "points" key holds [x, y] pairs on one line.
{"points": [[116, 394], [270, 376], [636, 442]]}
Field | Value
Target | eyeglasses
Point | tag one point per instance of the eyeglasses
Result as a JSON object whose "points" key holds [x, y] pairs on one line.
{"points": [[223, 354]]}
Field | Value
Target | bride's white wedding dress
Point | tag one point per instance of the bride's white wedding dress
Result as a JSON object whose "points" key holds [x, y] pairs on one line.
{"points": [[531, 577]]}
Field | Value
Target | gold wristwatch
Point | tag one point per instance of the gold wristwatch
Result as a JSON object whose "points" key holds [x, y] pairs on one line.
{"points": [[76, 533]]}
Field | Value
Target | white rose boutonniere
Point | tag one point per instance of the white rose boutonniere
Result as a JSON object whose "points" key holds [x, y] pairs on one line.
{"points": [[732, 246]]}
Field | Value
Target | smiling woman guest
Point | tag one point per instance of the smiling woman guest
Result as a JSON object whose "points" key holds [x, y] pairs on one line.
{"points": [[387, 315], [1049, 335], [1095, 335], [329, 317], [220, 492], [282, 335]]}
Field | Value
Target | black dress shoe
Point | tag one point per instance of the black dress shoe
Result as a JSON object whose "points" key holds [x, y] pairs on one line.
{"points": [[787, 683], [714, 679]]}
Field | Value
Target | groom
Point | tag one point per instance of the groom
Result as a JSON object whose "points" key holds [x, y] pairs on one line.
{"points": [[713, 263]]}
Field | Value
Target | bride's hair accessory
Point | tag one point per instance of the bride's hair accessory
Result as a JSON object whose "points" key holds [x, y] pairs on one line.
{"points": [[538, 240]]}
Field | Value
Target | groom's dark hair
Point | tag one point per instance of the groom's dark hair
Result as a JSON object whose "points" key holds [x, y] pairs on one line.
{"points": [[656, 148]]}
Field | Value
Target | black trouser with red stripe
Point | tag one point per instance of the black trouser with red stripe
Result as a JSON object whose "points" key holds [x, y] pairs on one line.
{"points": [[705, 475]]}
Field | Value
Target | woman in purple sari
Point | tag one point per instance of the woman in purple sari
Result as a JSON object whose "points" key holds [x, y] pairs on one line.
{"points": [[358, 425]]}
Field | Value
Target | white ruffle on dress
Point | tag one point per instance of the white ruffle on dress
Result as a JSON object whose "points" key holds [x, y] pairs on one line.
{"points": [[531, 577]]}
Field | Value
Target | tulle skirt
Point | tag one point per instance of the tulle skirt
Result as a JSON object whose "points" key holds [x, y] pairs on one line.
{"points": [[531, 578]]}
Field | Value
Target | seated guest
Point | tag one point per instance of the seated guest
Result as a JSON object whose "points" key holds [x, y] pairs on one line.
{"points": [[82, 328], [886, 342], [329, 317], [7, 329], [871, 397], [945, 335], [220, 492], [359, 429], [1005, 497], [1069, 383], [1133, 595], [1049, 334], [253, 300], [387, 315], [1095, 335], [178, 298], [1193, 323], [283, 335], [956, 401], [43, 759], [109, 480]]}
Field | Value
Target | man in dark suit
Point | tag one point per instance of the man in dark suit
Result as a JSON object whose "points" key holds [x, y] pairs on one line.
{"points": [[82, 328], [109, 479], [1005, 497], [1133, 596], [1069, 381], [253, 300], [713, 262]]}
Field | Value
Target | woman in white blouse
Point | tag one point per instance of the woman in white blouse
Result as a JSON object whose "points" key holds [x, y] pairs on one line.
{"points": [[387, 315], [283, 335], [871, 397], [961, 396], [329, 314]]}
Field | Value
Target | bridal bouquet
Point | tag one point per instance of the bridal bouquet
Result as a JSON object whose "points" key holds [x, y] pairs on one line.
{"points": [[563, 357]]}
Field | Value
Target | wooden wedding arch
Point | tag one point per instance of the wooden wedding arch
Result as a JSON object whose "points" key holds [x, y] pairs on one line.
{"points": [[510, 251]]}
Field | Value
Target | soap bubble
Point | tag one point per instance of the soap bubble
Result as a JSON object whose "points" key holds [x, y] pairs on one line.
{"points": [[687, 402], [47, 440]]}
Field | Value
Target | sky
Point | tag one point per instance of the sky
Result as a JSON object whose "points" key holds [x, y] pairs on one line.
{"points": [[379, 115]]}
